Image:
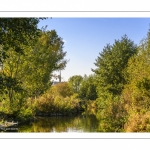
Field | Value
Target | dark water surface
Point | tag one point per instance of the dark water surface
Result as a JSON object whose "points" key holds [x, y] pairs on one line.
{"points": [[80, 123]]}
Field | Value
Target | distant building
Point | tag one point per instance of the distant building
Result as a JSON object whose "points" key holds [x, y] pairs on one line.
{"points": [[55, 82], [59, 77]]}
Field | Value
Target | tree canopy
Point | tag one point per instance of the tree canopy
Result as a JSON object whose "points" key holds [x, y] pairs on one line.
{"points": [[110, 80], [16, 35], [111, 63], [88, 88], [75, 83]]}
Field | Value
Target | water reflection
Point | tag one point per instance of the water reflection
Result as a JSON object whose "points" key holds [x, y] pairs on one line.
{"points": [[80, 123]]}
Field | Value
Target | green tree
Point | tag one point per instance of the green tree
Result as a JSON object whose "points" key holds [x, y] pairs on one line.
{"points": [[111, 63], [16, 35], [31, 72], [110, 79], [88, 88], [75, 83], [46, 57], [17, 32]]}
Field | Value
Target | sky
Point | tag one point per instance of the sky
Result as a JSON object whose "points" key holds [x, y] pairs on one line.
{"points": [[85, 38]]}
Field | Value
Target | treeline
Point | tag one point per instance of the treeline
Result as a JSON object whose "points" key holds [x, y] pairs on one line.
{"points": [[120, 86], [68, 98]]}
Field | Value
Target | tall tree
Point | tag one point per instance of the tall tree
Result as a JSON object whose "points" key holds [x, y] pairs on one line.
{"points": [[111, 64], [32, 71], [46, 57], [16, 34]]}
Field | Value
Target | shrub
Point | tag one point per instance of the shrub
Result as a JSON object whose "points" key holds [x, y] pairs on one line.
{"points": [[138, 122], [50, 102]]}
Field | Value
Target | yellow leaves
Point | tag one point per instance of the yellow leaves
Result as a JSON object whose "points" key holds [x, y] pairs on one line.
{"points": [[43, 38], [138, 122]]}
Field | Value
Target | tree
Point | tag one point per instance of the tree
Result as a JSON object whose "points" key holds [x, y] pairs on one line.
{"points": [[88, 88], [46, 57], [16, 35], [75, 82], [32, 71], [111, 63], [17, 32], [110, 79]]}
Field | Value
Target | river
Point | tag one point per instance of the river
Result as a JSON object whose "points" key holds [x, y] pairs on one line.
{"points": [[79, 123]]}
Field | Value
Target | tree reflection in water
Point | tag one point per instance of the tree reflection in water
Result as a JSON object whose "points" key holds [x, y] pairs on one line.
{"points": [[82, 123]]}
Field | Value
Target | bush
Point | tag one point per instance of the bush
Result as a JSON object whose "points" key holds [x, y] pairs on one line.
{"points": [[50, 102], [138, 122], [63, 89], [25, 114]]}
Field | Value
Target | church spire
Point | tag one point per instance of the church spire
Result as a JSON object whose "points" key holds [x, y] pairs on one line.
{"points": [[60, 76]]}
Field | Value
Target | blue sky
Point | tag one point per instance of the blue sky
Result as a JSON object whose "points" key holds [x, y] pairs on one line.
{"points": [[86, 37]]}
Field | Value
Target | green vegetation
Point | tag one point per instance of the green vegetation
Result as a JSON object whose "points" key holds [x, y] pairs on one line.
{"points": [[54, 103], [123, 86], [136, 92], [63, 89], [118, 92], [110, 82], [88, 88], [29, 56], [75, 83]]}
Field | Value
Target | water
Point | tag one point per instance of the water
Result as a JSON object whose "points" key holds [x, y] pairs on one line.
{"points": [[80, 123]]}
